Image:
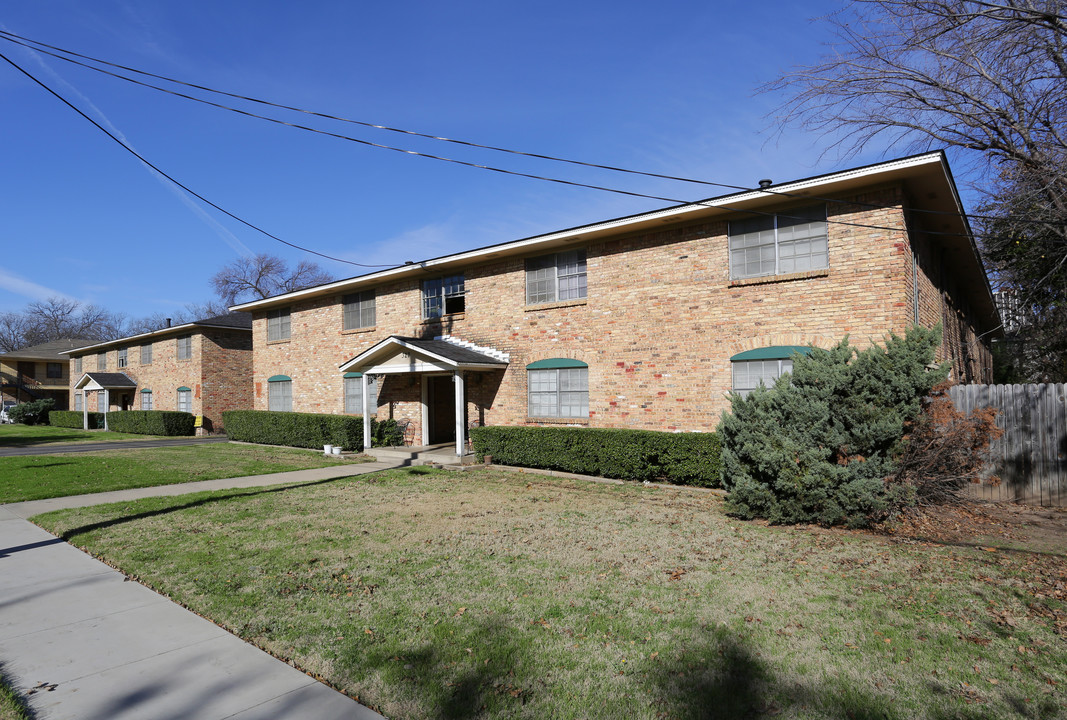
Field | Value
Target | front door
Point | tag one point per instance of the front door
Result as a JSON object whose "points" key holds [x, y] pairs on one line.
{"points": [[441, 403]]}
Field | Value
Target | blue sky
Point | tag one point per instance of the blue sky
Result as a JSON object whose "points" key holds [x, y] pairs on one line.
{"points": [[661, 87]]}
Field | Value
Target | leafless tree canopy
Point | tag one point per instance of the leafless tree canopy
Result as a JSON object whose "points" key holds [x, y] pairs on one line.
{"points": [[57, 318], [261, 276], [191, 312]]}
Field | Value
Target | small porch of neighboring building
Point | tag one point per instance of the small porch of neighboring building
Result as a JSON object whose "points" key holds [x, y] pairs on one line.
{"points": [[111, 388], [425, 384]]}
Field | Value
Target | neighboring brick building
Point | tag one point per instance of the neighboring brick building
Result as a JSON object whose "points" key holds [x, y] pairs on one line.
{"points": [[37, 372], [203, 367], [646, 321]]}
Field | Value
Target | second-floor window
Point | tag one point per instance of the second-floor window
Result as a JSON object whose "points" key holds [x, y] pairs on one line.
{"points": [[101, 361], [54, 370], [278, 325], [359, 310], [122, 357], [792, 241], [146, 354], [185, 347], [443, 296], [556, 277], [77, 365]]}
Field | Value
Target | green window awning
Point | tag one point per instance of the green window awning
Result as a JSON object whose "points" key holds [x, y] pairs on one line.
{"points": [[184, 389], [279, 378], [775, 352], [555, 364], [353, 375], [146, 390]]}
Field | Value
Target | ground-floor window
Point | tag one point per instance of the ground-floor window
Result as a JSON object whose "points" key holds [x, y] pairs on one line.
{"points": [[558, 388], [354, 393], [78, 400], [185, 400], [146, 399], [280, 393], [763, 365]]}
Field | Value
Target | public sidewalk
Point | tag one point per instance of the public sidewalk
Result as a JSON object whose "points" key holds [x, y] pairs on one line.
{"points": [[100, 647]]}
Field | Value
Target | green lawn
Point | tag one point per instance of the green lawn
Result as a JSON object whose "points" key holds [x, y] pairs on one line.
{"points": [[433, 594], [12, 704], [30, 435], [33, 477]]}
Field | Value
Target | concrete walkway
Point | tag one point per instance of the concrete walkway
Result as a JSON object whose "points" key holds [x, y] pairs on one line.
{"points": [[97, 646]]}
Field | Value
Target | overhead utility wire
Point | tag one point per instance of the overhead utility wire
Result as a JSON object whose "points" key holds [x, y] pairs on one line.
{"points": [[26, 42], [186, 188], [674, 201]]}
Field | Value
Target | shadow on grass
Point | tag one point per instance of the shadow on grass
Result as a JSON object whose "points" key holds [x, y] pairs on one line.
{"points": [[714, 676], [12, 702], [68, 535]]}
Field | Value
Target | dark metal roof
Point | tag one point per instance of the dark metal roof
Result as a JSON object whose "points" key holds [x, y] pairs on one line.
{"points": [[111, 380], [48, 350], [449, 351]]}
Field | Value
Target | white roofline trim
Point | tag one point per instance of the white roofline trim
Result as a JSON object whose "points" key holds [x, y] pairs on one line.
{"points": [[161, 331], [721, 202], [344, 367]]}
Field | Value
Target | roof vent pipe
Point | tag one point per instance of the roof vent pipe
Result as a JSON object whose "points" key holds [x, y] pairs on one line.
{"points": [[168, 322], [765, 183]]}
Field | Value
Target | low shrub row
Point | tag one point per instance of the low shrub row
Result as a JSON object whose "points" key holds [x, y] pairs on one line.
{"points": [[308, 430], [680, 458], [74, 419], [151, 422]]}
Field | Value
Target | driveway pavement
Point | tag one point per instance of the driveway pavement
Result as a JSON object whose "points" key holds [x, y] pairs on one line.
{"points": [[115, 445], [93, 645]]}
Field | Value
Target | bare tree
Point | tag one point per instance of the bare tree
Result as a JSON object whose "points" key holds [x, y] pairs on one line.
{"points": [[191, 312], [264, 275], [988, 77], [57, 318]]}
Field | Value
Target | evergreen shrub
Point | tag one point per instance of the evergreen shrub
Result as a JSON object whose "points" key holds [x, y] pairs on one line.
{"points": [[308, 430], [681, 458], [818, 446], [32, 413], [74, 419], [152, 422]]}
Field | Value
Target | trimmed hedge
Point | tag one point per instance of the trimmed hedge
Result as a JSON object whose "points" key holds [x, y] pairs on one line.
{"points": [[151, 422], [308, 430], [74, 419], [32, 413], [680, 458]]}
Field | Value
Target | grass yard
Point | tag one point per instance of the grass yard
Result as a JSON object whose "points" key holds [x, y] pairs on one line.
{"points": [[12, 705], [485, 594], [33, 477], [32, 435]]}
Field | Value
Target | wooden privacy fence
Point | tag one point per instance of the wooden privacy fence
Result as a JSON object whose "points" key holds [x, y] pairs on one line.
{"points": [[1031, 456]]}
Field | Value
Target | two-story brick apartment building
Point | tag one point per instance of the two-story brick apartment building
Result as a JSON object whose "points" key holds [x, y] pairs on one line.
{"points": [[202, 367], [646, 321], [37, 372]]}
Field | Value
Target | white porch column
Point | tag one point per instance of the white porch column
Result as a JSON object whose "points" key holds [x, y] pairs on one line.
{"points": [[85, 410], [105, 407], [363, 381], [461, 404]]}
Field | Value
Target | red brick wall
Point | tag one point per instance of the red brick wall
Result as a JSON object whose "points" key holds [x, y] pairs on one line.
{"points": [[658, 328]]}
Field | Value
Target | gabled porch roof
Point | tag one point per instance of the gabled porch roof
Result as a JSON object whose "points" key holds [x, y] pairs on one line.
{"points": [[396, 354], [104, 381]]}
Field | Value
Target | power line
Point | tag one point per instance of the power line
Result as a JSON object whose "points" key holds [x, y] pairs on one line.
{"points": [[26, 42]]}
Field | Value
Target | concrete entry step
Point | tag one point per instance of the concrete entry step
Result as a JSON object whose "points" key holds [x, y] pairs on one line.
{"points": [[442, 454]]}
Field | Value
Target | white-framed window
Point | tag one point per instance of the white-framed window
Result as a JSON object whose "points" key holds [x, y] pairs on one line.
{"points": [[278, 325], [749, 374], [146, 354], [787, 242], [101, 404], [79, 398], [146, 399], [354, 393], [122, 357], [101, 361], [280, 393], [557, 388], [185, 347], [78, 365], [443, 296], [185, 400], [556, 277], [359, 310]]}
